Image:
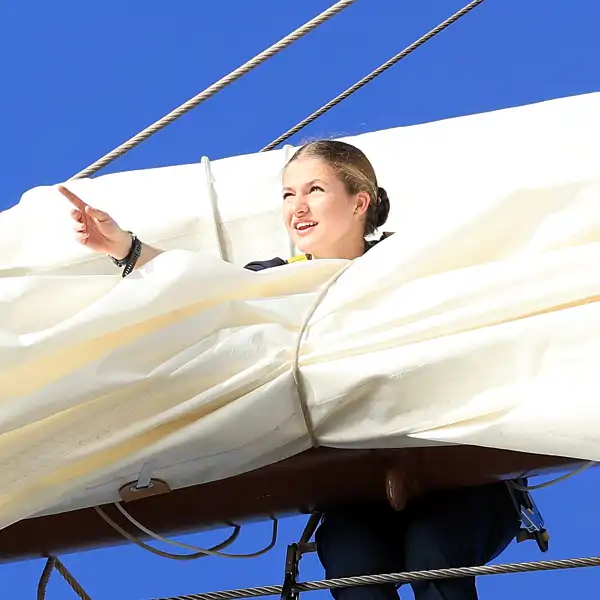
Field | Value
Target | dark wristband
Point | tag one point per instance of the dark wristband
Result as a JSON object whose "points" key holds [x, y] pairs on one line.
{"points": [[121, 262], [132, 257]]}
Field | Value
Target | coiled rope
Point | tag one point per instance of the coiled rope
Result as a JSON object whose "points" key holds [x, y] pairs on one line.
{"points": [[210, 91]]}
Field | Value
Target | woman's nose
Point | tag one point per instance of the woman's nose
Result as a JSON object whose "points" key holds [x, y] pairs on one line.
{"points": [[300, 207]]}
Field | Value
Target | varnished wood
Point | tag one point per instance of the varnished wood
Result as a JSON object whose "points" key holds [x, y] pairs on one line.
{"points": [[314, 479]]}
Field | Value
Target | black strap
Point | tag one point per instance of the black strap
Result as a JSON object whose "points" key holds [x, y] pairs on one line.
{"points": [[132, 257]]}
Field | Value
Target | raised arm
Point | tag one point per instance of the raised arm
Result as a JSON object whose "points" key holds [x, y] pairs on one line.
{"points": [[99, 232]]}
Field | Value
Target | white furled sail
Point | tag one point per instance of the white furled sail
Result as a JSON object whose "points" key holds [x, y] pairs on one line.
{"points": [[478, 322]]}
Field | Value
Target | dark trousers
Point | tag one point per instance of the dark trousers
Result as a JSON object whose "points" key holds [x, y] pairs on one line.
{"points": [[462, 528]]}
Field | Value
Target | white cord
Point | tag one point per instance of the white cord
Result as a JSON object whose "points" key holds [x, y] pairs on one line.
{"points": [[296, 359], [154, 535], [212, 195], [134, 540], [539, 486]]}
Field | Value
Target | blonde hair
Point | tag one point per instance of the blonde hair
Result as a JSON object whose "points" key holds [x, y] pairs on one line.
{"points": [[356, 172]]}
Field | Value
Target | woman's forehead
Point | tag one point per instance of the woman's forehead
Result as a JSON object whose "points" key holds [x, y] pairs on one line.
{"points": [[304, 170]]}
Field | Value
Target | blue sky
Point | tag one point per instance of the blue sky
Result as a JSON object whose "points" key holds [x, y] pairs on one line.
{"points": [[80, 78]]}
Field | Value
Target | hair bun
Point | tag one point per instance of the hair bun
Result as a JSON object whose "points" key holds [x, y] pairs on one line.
{"points": [[383, 207]]}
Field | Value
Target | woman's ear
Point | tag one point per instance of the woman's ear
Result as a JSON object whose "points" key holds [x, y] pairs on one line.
{"points": [[362, 203]]}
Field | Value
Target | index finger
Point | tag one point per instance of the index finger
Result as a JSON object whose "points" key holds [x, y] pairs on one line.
{"points": [[72, 198]]}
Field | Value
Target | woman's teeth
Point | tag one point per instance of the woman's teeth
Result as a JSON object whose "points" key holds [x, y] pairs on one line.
{"points": [[305, 225]]}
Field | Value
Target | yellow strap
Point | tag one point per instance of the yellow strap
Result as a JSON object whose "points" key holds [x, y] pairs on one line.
{"points": [[299, 258]]}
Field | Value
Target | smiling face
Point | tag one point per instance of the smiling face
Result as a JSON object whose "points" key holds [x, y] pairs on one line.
{"points": [[323, 218]]}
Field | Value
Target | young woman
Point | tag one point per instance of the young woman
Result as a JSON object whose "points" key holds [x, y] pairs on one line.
{"points": [[331, 202]]}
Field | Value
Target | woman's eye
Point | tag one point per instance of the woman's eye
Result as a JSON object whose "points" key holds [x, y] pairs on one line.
{"points": [[317, 188], [286, 195]]}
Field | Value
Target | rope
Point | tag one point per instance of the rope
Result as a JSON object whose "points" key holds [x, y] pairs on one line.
{"points": [[197, 552], [212, 196], [45, 578], [54, 563], [384, 67], [301, 390], [539, 486], [328, 584], [214, 88]]}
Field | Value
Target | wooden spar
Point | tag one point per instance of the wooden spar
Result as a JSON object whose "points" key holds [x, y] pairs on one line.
{"points": [[312, 480]]}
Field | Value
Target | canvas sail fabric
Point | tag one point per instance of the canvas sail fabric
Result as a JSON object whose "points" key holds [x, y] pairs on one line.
{"points": [[478, 322]]}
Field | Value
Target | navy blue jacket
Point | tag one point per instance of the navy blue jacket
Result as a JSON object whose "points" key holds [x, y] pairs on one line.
{"points": [[260, 265]]}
